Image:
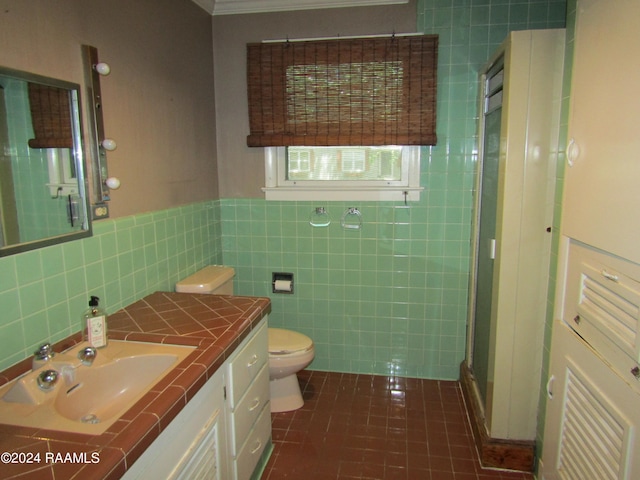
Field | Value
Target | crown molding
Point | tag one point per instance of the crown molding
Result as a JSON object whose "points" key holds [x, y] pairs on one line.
{"points": [[231, 7]]}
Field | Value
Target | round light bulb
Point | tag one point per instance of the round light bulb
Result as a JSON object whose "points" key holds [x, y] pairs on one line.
{"points": [[102, 68], [109, 144], [113, 183]]}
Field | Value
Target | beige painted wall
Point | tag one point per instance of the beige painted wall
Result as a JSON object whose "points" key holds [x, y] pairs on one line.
{"points": [[241, 168], [158, 101]]}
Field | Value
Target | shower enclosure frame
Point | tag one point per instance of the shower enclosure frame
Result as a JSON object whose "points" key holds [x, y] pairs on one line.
{"points": [[516, 302]]}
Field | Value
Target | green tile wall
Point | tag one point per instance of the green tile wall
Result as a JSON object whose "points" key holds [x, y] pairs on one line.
{"points": [[44, 292], [386, 298], [391, 298]]}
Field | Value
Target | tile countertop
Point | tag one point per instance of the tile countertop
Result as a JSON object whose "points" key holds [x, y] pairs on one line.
{"points": [[214, 324]]}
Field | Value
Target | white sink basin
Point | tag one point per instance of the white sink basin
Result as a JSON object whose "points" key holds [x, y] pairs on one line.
{"points": [[89, 399]]}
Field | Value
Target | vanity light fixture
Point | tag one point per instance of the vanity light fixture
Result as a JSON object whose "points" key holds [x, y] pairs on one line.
{"points": [[99, 144]]}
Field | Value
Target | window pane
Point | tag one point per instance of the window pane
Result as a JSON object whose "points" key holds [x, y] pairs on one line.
{"points": [[344, 163]]}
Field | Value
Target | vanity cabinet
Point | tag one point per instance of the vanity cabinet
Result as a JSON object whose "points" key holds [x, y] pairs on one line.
{"points": [[194, 443], [248, 406], [224, 431]]}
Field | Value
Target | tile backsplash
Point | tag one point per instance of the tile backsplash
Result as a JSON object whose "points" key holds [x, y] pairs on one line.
{"points": [[44, 292]]}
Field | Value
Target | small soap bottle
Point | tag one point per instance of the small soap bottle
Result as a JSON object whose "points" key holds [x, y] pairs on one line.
{"points": [[94, 325]]}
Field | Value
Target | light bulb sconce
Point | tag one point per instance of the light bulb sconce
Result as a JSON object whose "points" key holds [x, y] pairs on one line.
{"points": [[109, 144], [98, 142], [113, 183], [102, 68]]}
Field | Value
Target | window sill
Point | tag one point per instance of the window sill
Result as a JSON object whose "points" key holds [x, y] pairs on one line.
{"points": [[388, 194]]}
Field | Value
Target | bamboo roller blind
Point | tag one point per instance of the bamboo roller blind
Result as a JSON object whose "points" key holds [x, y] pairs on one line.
{"points": [[50, 116], [365, 91]]}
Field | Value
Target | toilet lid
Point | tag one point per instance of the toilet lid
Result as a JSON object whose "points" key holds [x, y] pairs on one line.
{"points": [[206, 280], [283, 341]]}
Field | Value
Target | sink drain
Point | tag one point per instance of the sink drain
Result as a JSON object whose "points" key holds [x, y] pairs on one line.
{"points": [[90, 418]]}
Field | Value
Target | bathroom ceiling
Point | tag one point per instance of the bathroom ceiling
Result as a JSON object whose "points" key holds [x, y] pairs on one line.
{"points": [[229, 7]]}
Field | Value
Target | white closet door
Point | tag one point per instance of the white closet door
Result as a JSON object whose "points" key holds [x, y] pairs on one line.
{"points": [[602, 199], [592, 419]]}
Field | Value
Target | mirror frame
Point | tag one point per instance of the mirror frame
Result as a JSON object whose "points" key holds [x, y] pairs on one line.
{"points": [[80, 164]]}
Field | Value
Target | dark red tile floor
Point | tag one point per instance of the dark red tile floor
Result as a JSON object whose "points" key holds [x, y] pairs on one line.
{"points": [[375, 427]]}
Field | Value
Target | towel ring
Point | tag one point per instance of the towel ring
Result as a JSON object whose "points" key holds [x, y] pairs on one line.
{"points": [[351, 219], [319, 217]]}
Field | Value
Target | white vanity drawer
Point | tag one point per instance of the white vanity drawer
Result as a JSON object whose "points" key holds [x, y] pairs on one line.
{"points": [[247, 363], [245, 463], [249, 407]]}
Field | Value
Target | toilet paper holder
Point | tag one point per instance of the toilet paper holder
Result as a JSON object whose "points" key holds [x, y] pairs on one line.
{"points": [[282, 282]]}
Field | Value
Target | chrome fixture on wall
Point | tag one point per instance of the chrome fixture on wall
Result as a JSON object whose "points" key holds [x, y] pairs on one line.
{"points": [[351, 219], [319, 217], [99, 144]]}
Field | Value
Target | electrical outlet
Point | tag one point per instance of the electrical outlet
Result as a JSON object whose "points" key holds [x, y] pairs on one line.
{"points": [[99, 210]]}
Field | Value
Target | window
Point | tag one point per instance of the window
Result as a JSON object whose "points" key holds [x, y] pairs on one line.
{"points": [[331, 111], [353, 161], [389, 173], [299, 162]]}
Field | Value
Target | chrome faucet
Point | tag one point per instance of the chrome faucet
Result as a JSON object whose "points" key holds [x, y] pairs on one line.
{"points": [[43, 355], [47, 379], [87, 355]]}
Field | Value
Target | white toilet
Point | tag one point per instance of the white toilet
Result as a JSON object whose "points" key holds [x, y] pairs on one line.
{"points": [[289, 351]]}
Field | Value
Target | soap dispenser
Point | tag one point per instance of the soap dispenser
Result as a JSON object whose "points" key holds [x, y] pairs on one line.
{"points": [[94, 324]]}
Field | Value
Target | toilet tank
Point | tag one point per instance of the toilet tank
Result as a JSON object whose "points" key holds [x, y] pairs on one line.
{"points": [[214, 279]]}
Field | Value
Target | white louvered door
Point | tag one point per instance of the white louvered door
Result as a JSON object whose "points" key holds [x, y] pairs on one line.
{"points": [[592, 420]]}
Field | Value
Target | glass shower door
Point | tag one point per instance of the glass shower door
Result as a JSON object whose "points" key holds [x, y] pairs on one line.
{"points": [[482, 331]]}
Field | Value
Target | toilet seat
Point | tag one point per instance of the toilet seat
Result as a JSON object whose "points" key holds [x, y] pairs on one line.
{"points": [[287, 342]]}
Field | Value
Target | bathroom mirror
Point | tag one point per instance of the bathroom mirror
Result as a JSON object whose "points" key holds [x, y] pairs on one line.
{"points": [[43, 195]]}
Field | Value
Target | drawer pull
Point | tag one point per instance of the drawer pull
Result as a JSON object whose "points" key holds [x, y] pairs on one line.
{"points": [[257, 447], [635, 371], [255, 404], [610, 276], [253, 361]]}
